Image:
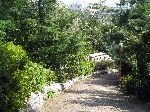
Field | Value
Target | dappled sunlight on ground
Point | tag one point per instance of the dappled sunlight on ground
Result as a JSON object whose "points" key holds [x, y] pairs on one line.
{"points": [[99, 94]]}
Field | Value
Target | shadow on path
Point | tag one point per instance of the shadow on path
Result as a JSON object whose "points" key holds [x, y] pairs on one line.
{"points": [[107, 94], [99, 94]]}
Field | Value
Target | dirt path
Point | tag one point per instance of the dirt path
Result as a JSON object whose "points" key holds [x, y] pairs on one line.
{"points": [[99, 94]]}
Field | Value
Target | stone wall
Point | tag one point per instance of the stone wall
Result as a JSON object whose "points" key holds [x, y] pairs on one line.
{"points": [[38, 98]]}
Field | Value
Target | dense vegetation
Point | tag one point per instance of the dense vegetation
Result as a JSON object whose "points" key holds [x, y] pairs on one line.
{"points": [[42, 41], [134, 25]]}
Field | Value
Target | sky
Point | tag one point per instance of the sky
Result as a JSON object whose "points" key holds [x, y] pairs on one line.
{"points": [[86, 2]]}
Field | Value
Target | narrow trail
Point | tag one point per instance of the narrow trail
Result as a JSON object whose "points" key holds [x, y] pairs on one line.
{"points": [[99, 94]]}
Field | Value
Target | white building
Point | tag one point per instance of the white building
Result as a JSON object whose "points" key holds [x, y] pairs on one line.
{"points": [[125, 7], [76, 7]]}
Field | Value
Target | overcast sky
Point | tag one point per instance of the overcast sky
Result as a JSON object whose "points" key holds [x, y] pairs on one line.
{"points": [[86, 2]]}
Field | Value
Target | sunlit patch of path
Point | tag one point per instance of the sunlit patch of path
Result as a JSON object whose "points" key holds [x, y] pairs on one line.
{"points": [[99, 94]]}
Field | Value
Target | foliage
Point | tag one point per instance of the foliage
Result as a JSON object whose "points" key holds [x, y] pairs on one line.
{"points": [[50, 94], [60, 40], [51, 38], [103, 65], [131, 28], [2, 33], [135, 28], [44, 29], [50, 76], [12, 58], [19, 77], [127, 84], [84, 68], [132, 84]]}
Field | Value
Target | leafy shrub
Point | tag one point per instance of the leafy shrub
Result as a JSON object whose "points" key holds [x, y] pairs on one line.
{"points": [[2, 33], [74, 70], [18, 77], [85, 68], [20, 84], [50, 76], [50, 94], [133, 85], [12, 57], [103, 65], [142, 89], [127, 84]]}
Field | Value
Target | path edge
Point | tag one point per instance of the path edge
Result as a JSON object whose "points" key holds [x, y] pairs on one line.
{"points": [[37, 99]]}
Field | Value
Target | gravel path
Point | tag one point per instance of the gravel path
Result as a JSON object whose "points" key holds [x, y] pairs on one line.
{"points": [[100, 94]]}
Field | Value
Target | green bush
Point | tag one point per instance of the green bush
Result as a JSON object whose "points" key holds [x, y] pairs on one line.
{"points": [[84, 68], [74, 70], [134, 85], [18, 77], [16, 90], [127, 84], [50, 76], [142, 89], [102, 65], [11, 58]]}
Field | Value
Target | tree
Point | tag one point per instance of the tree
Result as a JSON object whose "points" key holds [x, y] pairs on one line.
{"points": [[135, 28]]}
